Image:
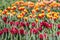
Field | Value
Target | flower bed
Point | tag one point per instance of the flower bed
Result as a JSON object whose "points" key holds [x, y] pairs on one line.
{"points": [[30, 21]]}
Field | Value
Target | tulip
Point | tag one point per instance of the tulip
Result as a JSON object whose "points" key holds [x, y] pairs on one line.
{"points": [[58, 33], [40, 29], [58, 26], [22, 24], [1, 32], [34, 30], [41, 24], [11, 22], [27, 24], [4, 19], [5, 30], [33, 24], [14, 30], [21, 31], [50, 26], [41, 36], [17, 23], [8, 8]]}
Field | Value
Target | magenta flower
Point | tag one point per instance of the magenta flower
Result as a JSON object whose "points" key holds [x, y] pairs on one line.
{"points": [[21, 31], [58, 26], [33, 24], [58, 33], [41, 24], [41, 36], [1, 32], [5, 30], [17, 23], [40, 29], [50, 26], [27, 24], [22, 24], [4, 19], [14, 30], [11, 22], [34, 30]]}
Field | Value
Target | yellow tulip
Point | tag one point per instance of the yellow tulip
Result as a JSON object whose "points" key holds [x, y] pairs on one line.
{"points": [[36, 20], [0, 11]]}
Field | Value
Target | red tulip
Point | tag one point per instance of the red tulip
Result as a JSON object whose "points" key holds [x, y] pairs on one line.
{"points": [[46, 24], [33, 24], [14, 30], [41, 24], [17, 23], [1, 32], [58, 33], [5, 30], [45, 35], [22, 24], [21, 31], [49, 26], [4, 19], [11, 22], [34, 30], [58, 26], [41, 36], [27, 24], [40, 28]]}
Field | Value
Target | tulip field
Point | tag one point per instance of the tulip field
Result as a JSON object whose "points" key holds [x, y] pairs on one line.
{"points": [[29, 19]]}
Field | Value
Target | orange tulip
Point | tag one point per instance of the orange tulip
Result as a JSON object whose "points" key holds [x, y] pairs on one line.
{"points": [[34, 16], [37, 9], [40, 15], [21, 8], [36, 20], [8, 8], [42, 11], [48, 10], [33, 11], [30, 16], [25, 18]]}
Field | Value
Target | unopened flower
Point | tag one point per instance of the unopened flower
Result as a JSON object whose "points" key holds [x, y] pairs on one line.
{"points": [[58, 26], [21, 31], [17, 23], [27, 24], [58, 33], [5, 30], [1, 32], [41, 36], [11, 22], [34, 30], [40, 29], [33, 24], [4, 19], [22, 24], [14, 30]]}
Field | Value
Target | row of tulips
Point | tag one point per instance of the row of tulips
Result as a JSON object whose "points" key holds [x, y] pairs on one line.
{"points": [[40, 32]]}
